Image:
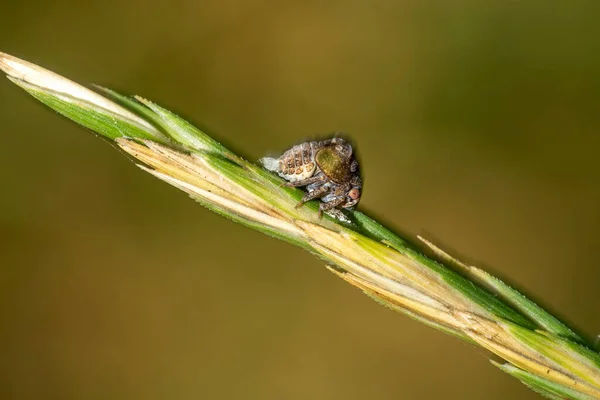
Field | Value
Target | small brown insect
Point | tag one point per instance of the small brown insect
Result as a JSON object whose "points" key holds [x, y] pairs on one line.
{"points": [[327, 168]]}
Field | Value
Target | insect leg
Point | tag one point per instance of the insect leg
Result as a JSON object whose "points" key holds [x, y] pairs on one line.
{"points": [[319, 192], [342, 190], [305, 182], [330, 205]]}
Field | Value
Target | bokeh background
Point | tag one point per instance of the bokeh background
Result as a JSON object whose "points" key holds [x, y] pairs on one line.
{"points": [[477, 125]]}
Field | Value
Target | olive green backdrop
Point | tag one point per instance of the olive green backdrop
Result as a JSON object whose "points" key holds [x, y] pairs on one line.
{"points": [[477, 126]]}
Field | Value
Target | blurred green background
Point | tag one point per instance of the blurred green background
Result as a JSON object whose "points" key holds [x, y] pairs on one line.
{"points": [[477, 126]]}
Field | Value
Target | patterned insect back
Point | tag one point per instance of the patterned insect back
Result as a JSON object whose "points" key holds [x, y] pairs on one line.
{"points": [[298, 163], [327, 169]]}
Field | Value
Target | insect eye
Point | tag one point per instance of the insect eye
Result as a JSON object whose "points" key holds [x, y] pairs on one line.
{"points": [[354, 193]]}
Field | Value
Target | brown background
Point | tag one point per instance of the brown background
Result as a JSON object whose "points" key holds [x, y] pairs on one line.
{"points": [[477, 125]]}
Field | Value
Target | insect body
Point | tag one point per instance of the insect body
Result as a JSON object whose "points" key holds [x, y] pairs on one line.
{"points": [[328, 170], [298, 163]]}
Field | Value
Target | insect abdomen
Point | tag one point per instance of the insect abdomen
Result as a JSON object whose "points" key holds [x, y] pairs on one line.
{"points": [[297, 163]]}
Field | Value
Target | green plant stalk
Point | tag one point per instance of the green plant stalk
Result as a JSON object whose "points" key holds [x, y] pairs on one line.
{"points": [[534, 346]]}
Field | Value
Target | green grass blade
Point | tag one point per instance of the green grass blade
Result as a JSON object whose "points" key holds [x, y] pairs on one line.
{"points": [[528, 308], [545, 387]]}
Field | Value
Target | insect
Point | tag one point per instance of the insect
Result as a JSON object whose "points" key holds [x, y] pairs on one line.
{"points": [[328, 169]]}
